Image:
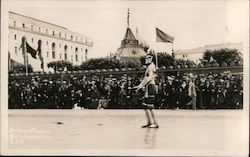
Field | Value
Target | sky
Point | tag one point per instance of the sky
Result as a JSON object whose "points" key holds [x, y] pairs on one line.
{"points": [[192, 23]]}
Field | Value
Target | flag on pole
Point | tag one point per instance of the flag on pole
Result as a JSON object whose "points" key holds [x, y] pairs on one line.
{"points": [[163, 37], [31, 51]]}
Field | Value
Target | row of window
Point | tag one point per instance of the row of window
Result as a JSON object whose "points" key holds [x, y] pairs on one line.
{"points": [[60, 45], [53, 33], [60, 57]]}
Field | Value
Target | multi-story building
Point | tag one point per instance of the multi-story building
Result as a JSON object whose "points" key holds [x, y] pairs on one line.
{"points": [[197, 53], [58, 43]]}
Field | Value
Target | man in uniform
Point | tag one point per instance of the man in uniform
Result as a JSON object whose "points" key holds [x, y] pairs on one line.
{"points": [[149, 83]]}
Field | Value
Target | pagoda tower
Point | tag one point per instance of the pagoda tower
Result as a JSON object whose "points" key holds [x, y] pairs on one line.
{"points": [[130, 50]]}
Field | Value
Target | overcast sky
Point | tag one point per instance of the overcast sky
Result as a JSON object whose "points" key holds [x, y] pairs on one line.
{"points": [[192, 23]]}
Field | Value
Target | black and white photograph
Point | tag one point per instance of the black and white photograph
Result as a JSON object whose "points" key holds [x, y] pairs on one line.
{"points": [[125, 78]]}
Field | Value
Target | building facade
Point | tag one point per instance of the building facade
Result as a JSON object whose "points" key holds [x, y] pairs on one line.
{"points": [[197, 53], [57, 42]]}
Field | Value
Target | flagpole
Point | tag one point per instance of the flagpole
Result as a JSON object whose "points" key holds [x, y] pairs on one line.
{"points": [[27, 70], [156, 60], [25, 57], [173, 55]]}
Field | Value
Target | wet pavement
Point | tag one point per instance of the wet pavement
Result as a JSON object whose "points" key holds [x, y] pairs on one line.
{"points": [[181, 132]]}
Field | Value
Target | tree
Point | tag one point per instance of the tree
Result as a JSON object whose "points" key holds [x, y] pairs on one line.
{"points": [[222, 56], [60, 65], [20, 68]]}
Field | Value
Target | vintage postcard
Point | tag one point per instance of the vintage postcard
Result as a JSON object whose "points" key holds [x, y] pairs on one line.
{"points": [[125, 78]]}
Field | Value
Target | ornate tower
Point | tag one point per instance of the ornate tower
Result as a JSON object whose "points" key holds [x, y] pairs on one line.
{"points": [[130, 49]]}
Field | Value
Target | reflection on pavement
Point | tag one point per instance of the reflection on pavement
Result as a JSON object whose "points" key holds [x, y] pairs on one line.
{"points": [[150, 138]]}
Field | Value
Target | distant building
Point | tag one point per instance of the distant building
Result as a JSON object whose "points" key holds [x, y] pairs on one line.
{"points": [[197, 53], [130, 49], [58, 43]]}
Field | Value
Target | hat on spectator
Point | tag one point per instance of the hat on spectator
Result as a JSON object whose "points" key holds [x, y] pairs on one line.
{"points": [[210, 76], [51, 82], [170, 78], [95, 78]]}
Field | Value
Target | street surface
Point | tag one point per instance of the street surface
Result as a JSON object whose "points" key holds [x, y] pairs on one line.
{"points": [[181, 132]]}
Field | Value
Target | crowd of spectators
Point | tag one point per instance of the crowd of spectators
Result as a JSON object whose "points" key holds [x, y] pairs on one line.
{"points": [[212, 91]]}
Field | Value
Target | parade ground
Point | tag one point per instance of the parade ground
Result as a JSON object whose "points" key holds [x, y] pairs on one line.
{"points": [[112, 132]]}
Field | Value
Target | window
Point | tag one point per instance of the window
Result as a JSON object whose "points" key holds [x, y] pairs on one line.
{"points": [[65, 36], [53, 50], [76, 54], [53, 54], [183, 56], [32, 40], [47, 43], [15, 50], [15, 36], [65, 48], [39, 29], [47, 54], [71, 37], [71, 58], [14, 23], [46, 31], [60, 56], [65, 52], [65, 56], [23, 25], [59, 34], [77, 58], [53, 32], [32, 27], [86, 54]]}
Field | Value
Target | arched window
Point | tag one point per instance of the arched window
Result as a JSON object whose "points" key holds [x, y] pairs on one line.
{"points": [[53, 33], [32, 27], [15, 36], [59, 34], [76, 54], [14, 23], [32, 40], [23, 25], [65, 52], [53, 50]]}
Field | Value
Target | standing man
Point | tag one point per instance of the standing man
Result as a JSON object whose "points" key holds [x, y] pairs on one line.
{"points": [[149, 98], [192, 92]]}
